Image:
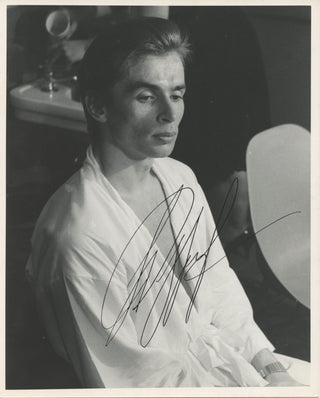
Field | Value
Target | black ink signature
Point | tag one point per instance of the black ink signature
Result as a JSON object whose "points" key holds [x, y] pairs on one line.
{"points": [[142, 281]]}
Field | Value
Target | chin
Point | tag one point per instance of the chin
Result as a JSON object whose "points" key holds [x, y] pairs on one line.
{"points": [[163, 152]]}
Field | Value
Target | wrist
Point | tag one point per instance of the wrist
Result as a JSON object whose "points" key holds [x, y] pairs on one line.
{"points": [[278, 377], [275, 367]]}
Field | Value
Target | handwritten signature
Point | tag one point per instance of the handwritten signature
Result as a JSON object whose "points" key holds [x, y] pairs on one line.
{"points": [[142, 282]]}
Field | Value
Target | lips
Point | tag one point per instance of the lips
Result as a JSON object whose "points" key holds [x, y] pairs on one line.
{"points": [[165, 134], [165, 137]]}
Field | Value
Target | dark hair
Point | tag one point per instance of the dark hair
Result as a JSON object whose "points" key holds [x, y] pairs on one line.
{"points": [[108, 56]]}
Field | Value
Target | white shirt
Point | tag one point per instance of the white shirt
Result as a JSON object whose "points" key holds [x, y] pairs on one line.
{"points": [[111, 302]]}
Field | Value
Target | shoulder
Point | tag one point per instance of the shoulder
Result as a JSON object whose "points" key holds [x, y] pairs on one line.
{"points": [[73, 230], [69, 211]]}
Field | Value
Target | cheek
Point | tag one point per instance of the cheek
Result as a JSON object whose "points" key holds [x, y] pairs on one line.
{"points": [[142, 117], [136, 115], [180, 111], [124, 119]]}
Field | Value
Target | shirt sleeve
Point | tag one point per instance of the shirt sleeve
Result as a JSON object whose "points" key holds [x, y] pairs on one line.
{"points": [[231, 310]]}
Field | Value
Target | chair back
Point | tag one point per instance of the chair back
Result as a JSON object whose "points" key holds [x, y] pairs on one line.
{"points": [[278, 171]]}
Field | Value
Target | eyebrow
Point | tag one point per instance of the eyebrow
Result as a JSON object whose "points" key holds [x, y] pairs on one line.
{"points": [[139, 84]]}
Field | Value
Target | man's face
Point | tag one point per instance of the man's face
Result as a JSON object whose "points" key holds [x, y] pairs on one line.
{"points": [[147, 106]]}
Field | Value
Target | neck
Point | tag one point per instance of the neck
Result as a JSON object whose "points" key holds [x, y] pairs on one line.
{"points": [[124, 173]]}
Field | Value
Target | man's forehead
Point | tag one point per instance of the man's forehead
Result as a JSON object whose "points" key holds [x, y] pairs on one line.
{"points": [[140, 58], [155, 69], [135, 85]]}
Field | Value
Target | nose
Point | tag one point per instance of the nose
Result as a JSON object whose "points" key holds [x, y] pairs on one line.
{"points": [[167, 112]]}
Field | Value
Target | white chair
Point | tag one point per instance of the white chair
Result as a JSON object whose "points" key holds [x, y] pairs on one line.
{"points": [[278, 171]]}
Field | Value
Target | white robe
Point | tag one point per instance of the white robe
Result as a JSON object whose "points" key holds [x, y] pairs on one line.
{"points": [[112, 304]]}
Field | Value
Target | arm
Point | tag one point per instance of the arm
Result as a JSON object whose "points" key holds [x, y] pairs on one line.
{"points": [[264, 358], [231, 309], [77, 298], [234, 314]]}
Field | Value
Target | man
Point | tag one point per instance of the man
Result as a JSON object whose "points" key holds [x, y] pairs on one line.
{"points": [[131, 278]]}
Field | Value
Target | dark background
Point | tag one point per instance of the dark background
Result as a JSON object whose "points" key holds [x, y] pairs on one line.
{"points": [[251, 72]]}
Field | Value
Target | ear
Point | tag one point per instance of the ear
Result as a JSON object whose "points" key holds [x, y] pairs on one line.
{"points": [[96, 108]]}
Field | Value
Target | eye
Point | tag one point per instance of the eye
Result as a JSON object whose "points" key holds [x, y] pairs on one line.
{"points": [[146, 98], [177, 97]]}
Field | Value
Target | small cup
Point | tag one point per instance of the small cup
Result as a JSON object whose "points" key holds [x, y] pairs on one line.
{"points": [[58, 24]]}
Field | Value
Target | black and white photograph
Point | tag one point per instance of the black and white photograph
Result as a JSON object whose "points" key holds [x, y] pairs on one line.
{"points": [[161, 199]]}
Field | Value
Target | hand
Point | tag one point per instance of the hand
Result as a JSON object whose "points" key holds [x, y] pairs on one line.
{"points": [[281, 379]]}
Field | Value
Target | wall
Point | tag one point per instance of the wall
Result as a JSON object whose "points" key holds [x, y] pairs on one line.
{"points": [[14, 52], [284, 37]]}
